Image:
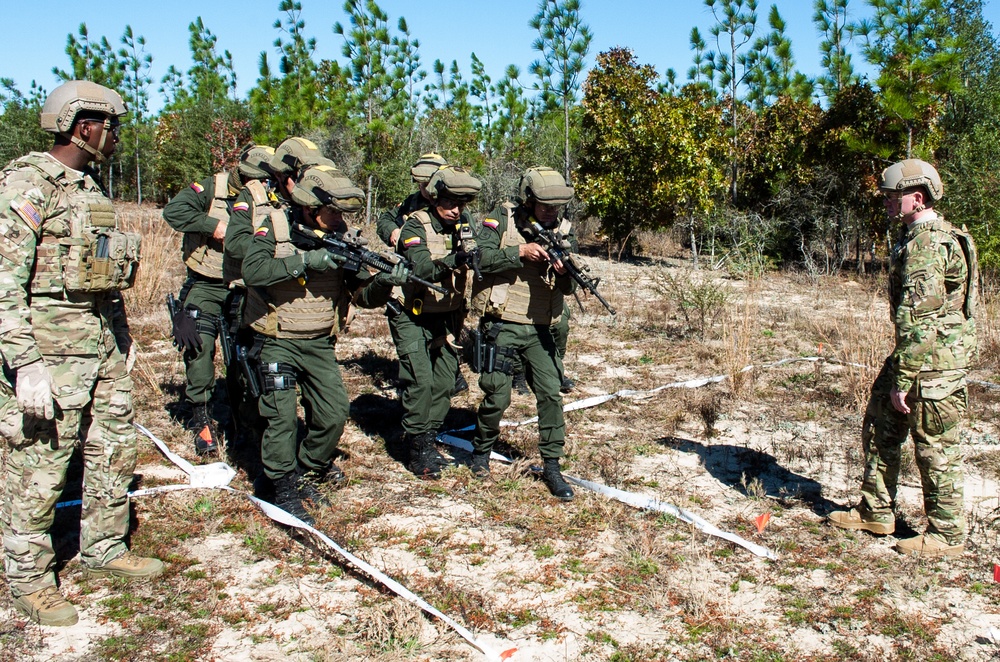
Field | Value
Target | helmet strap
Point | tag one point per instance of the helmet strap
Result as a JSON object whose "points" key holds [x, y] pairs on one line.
{"points": [[98, 153]]}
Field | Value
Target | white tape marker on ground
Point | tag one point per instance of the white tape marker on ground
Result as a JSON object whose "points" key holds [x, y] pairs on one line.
{"points": [[221, 474]]}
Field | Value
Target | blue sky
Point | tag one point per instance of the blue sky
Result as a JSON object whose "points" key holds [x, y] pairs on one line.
{"points": [[497, 31]]}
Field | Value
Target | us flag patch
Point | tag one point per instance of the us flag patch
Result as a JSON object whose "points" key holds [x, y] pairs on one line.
{"points": [[261, 232], [241, 206], [412, 241], [27, 211], [198, 188]]}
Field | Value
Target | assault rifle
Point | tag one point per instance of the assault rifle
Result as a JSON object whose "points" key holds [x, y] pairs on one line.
{"points": [[467, 243], [553, 245], [351, 248]]}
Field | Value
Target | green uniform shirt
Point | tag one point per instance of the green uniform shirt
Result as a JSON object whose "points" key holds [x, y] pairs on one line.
{"points": [[188, 210]]}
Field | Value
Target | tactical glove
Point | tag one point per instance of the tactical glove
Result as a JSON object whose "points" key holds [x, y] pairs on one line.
{"points": [[321, 259], [185, 332], [34, 391], [398, 276]]}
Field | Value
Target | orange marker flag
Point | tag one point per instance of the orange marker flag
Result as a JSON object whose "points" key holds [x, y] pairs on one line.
{"points": [[762, 522], [507, 654], [821, 348]]}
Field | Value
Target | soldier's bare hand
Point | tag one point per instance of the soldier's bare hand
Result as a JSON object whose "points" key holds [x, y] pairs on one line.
{"points": [[533, 253], [394, 237], [898, 399], [559, 267], [220, 231]]}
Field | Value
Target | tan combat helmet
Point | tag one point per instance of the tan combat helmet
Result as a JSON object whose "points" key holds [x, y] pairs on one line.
{"points": [[544, 185], [910, 173], [292, 155], [254, 161], [426, 166], [323, 186], [81, 96], [453, 182]]}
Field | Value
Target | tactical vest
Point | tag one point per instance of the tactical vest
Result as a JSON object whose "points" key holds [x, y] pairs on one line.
{"points": [[95, 256], [202, 253], [291, 310], [232, 268], [439, 245], [527, 295]]}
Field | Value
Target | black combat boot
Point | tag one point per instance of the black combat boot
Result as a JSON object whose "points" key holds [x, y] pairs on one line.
{"points": [[460, 384], [203, 433], [567, 385], [308, 486], [286, 497], [425, 460], [263, 488], [553, 480], [480, 464], [520, 384]]}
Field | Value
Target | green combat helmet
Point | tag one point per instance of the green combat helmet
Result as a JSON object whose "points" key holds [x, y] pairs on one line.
{"points": [[453, 182], [323, 186], [426, 166], [910, 173], [292, 155], [544, 185], [254, 161], [81, 96]]}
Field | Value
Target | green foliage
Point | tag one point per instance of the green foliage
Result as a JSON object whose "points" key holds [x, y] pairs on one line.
{"points": [[647, 158], [20, 131], [831, 21]]}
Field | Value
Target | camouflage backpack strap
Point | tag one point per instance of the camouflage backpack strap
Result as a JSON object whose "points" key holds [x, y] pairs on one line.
{"points": [[972, 262]]}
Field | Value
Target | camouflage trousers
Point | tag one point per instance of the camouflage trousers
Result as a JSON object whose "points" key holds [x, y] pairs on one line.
{"points": [[938, 402], [94, 408]]}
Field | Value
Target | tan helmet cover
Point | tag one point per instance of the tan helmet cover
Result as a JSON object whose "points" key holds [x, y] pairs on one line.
{"points": [[323, 186], [75, 96], [254, 161], [426, 166], [453, 182], [909, 173], [544, 185], [292, 155]]}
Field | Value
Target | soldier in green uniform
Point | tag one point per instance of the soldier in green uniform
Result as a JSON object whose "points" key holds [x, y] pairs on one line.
{"points": [[297, 303], [427, 330], [921, 389], [519, 298], [201, 211], [67, 351]]}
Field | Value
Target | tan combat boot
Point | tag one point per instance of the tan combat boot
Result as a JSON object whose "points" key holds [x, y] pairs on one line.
{"points": [[858, 520], [928, 546], [47, 607], [128, 565]]}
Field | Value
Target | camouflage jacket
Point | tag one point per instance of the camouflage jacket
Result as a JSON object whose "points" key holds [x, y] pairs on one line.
{"points": [[928, 282], [33, 206]]}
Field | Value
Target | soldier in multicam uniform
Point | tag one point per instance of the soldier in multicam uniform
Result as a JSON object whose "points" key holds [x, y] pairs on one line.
{"points": [[921, 389], [201, 211], [519, 298], [67, 349], [427, 329], [297, 303]]}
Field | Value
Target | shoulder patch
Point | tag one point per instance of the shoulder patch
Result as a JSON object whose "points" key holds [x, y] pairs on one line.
{"points": [[198, 188], [241, 206], [491, 223], [412, 241], [27, 211], [261, 231]]}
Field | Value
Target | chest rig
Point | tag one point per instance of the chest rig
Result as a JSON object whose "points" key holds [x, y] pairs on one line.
{"points": [[202, 253], [439, 245]]}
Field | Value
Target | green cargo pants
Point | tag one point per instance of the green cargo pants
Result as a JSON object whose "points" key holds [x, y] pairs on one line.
{"points": [[427, 366], [209, 297]]}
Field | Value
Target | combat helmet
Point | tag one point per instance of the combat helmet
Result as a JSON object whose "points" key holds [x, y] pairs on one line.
{"points": [[909, 173], [73, 97], [254, 161], [544, 185], [323, 186], [292, 155], [426, 166], [453, 182]]}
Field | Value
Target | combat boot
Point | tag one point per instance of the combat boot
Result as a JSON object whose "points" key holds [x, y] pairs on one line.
{"points": [[129, 566], [47, 607], [553, 479], [286, 497], [308, 486], [859, 519], [263, 488], [520, 384], [460, 384], [927, 546], [205, 441], [480, 464], [425, 460], [567, 385]]}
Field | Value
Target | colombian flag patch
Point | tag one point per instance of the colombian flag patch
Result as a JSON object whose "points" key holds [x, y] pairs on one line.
{"points": [[241, 206], [412, 241], [27, 211], [491, 223], [261, 232], [198, 188]]}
